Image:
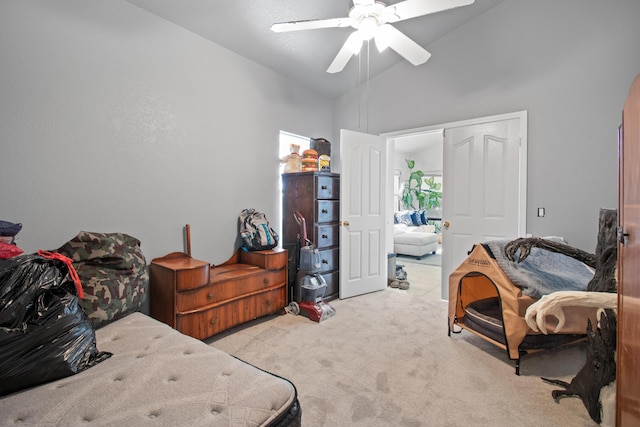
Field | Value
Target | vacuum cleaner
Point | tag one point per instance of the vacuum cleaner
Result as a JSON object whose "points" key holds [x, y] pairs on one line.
{"points": [[310, 286]]}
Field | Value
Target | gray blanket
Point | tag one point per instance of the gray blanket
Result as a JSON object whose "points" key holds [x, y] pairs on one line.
{"points": [[543, 271]]}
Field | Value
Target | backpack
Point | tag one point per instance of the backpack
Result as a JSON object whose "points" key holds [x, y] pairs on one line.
{"points": [[255, 231]]}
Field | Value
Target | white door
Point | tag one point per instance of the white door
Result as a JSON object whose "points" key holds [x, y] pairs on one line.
{"points": [[485, 194], [362, 213]]}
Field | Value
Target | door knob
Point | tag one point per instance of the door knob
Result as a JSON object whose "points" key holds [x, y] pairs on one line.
{"points": [[623, 237], [345, 223], [446, 225]]}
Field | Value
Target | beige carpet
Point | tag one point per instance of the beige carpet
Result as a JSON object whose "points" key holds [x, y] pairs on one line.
{"points": [[385, 359]]}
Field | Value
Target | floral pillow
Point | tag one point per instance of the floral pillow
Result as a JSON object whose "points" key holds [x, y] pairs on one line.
{"points": [[404, 217]]}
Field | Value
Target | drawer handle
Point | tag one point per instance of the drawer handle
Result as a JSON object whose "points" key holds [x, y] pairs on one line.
{"points": [[266, 280], [213, 320], [323, 187], [324, 261], [324, 211], [210, 295], [324, 236]]}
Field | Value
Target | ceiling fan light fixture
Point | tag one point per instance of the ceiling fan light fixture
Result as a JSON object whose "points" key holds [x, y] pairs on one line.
{"points": [[368, 27], [382, 39]]}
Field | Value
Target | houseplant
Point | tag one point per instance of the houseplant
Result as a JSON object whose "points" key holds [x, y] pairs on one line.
{"points": [[425, 192]]}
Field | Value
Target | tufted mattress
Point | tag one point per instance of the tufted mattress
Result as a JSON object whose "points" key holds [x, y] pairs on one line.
{"points": [[157, 376]]}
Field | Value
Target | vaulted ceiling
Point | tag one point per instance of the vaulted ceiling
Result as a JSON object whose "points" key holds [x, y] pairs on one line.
{"points": [[243, 26]]}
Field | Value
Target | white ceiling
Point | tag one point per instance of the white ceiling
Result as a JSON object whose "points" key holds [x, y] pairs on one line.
{"points": [[243, 26]]}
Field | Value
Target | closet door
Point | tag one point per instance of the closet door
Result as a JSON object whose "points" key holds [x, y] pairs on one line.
{"points": [[628, 340]]}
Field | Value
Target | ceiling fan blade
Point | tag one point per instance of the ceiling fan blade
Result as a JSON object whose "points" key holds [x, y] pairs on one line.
{"points": [[407, 48], [412, 8], [310, 24], [349, 48], [363, 2]]}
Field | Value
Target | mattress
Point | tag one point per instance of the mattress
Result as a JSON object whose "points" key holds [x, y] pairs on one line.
{"points": [[157, 376], [485, 317]]}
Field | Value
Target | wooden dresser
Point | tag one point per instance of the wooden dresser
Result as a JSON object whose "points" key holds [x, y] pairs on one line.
{"points": [[201, 300], [316, 195]]}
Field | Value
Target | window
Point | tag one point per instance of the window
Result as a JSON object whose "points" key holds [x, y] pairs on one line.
{"points": [[287, 139]]}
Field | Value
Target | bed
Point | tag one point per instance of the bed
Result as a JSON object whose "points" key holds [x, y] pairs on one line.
{"points": [[70, 356], [157, 376], [490, 302]]}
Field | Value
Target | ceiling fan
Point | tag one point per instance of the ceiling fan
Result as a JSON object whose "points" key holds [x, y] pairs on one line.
{"points": [[372, 19]]}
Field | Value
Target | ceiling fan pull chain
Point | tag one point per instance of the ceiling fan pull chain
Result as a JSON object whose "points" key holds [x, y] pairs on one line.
{"points": [[359, 91], [366, 98]]}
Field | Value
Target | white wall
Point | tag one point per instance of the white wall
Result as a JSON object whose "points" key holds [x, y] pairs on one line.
{"points": [[112, 119], [429, 160], [569, 63]]}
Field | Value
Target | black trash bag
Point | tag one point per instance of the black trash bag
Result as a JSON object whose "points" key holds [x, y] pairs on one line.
{"points": [[44, 332], [9, 229]]}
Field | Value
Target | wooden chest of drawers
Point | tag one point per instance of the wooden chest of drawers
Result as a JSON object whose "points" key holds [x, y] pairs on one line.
{"points": [[316, 195], [200, 300]]}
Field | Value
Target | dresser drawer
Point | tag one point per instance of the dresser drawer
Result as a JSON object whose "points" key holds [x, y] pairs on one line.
{"points": [[327, 187], [329, 260], [192, 278], [326, 236], [229, 289], [270, 260], [205, 323], [179, 270], [327, 210], [332, 279]]}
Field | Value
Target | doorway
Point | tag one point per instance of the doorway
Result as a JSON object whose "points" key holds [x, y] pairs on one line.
{"points": [[480, 148], [419, 154]]}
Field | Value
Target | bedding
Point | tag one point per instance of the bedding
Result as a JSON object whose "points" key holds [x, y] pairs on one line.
{"points": [[542, 272]]}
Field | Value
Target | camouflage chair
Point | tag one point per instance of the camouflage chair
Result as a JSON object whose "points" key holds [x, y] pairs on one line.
{"points": [[113, 272]]}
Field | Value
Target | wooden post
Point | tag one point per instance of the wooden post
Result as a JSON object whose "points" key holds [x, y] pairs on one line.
{"points": [[187, 230]]}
